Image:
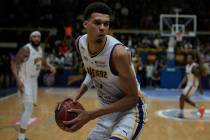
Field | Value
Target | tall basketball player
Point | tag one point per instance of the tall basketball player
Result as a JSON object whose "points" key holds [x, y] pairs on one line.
{"points": [[192, 78], [122, 111], [26, 67]]}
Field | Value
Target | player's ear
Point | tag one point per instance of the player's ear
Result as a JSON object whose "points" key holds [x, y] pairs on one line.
{"points": [[85, 23]]}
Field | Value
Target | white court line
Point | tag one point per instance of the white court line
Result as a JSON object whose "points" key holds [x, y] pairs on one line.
{"points": [[9, 96], [160, 114]]}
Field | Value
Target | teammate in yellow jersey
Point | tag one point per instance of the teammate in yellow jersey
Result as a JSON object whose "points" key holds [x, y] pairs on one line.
{"points": [[107, 61], [192, 80], [26, 68]]}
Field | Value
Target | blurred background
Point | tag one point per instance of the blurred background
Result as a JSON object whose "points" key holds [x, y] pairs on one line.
{"points": [[136, 23]]}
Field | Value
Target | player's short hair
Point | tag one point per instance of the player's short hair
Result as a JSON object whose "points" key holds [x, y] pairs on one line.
{"points": [[96, 7]]}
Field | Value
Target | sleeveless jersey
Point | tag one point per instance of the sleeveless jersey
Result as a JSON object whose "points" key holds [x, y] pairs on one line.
{"points": [[99, 68], [192, 80], [30, 68]]}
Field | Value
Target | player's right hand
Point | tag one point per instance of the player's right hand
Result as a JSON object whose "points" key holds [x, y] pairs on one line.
{"points": [[20, 86]]}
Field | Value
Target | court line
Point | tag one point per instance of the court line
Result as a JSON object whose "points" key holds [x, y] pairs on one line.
{"points": [[6, 97], [160, 114]]}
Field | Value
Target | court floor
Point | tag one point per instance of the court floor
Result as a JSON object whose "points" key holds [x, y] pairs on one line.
{"points": [[43, 126]]}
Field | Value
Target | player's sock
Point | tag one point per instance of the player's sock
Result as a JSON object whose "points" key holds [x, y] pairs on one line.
{"points": [[21, 136]]}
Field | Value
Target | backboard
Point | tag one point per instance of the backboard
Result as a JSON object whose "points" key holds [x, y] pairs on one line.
{"points": [[171, 24]]}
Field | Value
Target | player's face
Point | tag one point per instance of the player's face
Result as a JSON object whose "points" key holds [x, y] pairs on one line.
{"points": [[97, 26], [189, 59], [35, 40]]}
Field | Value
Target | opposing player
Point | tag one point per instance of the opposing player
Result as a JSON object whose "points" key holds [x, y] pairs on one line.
{"points": [[26, 67], [110, 70], [192, 78]]}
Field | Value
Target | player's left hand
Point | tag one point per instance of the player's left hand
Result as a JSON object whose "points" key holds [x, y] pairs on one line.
{"points": [[52, 70], [77, 123]]}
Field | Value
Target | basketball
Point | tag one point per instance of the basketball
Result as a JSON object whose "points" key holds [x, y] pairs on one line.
{"points": [[62, 114]]}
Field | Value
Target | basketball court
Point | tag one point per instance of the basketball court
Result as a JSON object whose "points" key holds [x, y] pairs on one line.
{"points": [[163, 123]]}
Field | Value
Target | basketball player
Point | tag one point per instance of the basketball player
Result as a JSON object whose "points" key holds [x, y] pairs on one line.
{"points": [[192, 78], [107, 61], [26, 67]]}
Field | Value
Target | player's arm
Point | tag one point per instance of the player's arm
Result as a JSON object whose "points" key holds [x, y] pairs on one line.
{"points": [[121, 62], [87, 83], [184, 80], [47, 65], [22, 55], [196, 72]]}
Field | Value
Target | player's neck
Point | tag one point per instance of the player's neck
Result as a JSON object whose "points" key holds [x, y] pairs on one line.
{"points": [[95, 47], [36, 48], [190, 63]]}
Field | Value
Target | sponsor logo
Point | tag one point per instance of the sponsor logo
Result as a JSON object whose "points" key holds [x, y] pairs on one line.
{"points": [[101, 64], [96, 73]]}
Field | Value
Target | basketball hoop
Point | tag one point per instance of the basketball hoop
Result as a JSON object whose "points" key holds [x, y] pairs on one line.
{"points": [[179, 36]]}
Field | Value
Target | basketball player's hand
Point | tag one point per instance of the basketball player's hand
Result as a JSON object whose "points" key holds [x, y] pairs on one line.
{"points": [[52, 70], [20, 86], [77, 123]]}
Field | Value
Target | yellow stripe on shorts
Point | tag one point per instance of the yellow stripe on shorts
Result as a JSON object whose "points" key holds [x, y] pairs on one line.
{"points": [[120, 136]]}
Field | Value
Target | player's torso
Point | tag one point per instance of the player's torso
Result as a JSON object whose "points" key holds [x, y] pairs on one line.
{"points": [[106, 83], [192, 80], [31, 67]]}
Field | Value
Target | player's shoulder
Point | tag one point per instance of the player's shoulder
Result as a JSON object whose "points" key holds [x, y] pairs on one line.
{"points": [[80, 40], [112, 40], [25, 49], [120, 52]]}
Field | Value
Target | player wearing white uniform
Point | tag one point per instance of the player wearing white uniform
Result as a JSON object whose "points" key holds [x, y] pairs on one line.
{"points": [[109, 69], [26, 68], [192, 78]]}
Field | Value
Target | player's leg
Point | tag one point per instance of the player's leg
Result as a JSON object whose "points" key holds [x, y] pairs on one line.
{"points": [[190, 102], [201, 109], [129, 125], [191, 92], [28, 109], [181, 106], [182, 99], [35, 91], [103, 128]]}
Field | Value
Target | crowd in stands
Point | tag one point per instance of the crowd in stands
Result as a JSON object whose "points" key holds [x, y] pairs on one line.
{"points": [[148, 51], [133, 14], [149, 55]]}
